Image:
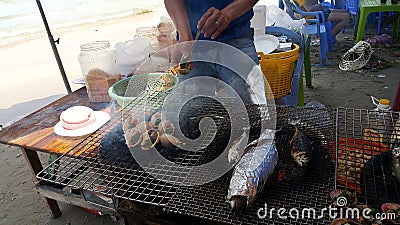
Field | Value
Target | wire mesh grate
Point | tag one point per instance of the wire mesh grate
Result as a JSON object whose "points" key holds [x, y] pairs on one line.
{"points": [[88, 168], [103, 164], [364, 143], [309, 189]]}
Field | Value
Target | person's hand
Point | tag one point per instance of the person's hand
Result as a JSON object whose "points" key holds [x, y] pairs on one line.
{"points": [[213, 22]]}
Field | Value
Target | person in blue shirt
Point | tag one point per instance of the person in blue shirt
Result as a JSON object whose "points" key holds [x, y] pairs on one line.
{"points": [[226, 21]]}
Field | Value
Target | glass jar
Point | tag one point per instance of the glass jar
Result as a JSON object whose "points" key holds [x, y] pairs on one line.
{"points": [[151, 34], [99, 68]]}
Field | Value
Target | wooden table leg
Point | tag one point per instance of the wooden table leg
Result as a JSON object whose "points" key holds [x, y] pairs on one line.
{"points": [[36, 166]]}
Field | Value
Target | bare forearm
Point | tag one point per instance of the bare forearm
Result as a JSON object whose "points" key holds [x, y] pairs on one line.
{"points": [[178, 13]]}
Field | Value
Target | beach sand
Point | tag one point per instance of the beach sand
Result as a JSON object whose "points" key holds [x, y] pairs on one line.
{"points": [[21, 204], [29, 68], [31, 80]]}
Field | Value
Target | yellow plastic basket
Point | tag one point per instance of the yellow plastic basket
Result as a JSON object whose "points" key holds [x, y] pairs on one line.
{"points": [[278, 69]]}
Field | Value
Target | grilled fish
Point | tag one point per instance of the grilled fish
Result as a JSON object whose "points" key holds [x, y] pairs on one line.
{"points": [[300, 146], [235, 152], [252, 171]]}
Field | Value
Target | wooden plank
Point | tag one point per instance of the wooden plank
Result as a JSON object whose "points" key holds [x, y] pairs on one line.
{"points": [[36, 166], [35, 131], [72, 199]]}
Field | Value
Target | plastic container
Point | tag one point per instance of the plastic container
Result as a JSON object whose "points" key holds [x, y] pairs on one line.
{"points": [[258, 21], [379, 122], [99, 68]]}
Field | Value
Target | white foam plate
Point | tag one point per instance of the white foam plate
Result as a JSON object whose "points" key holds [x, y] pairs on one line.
{"points": [[266, 43], [101, 119]]}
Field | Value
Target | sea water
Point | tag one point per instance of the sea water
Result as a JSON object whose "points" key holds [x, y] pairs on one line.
{"points": [[19, 18]]}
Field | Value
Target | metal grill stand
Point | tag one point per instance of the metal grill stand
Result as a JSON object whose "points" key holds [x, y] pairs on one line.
{"points": [[116, 182]]}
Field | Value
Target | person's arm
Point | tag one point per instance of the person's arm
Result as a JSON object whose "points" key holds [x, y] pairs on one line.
{"points": [[214, 21], [178, 13]]}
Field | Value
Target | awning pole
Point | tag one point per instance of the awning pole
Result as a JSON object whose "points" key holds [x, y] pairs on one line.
{"points": [[53, 46]]}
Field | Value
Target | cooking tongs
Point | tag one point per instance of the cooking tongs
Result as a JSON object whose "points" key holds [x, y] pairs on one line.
{"points": [[186, 58]]}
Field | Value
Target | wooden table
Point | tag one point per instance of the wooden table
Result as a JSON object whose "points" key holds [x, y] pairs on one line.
{"points": [[369, 6], [35, 133]]}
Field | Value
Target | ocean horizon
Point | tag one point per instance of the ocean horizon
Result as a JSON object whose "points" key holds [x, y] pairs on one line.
{"points": [[20, 19]]}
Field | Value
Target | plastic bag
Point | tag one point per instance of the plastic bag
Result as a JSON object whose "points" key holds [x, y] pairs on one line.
{"points": [[278, 17], [131, 53]]}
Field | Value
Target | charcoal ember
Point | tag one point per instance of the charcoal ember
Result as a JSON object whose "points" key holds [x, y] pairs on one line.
{"points": [[377, 181], [113, 148]]}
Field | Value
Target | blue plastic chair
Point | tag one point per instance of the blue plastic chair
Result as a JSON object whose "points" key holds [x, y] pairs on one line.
{"points": [[316, 26], [296, 94], [352, 7], [380, 20]]}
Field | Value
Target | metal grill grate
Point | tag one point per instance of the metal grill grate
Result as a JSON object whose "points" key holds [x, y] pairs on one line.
{"points": [[363, 146], [310, 191], [110, 176], [104, 166]]}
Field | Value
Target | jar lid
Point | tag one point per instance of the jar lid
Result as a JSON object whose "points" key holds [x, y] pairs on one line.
{"points": [[384, 101], [96, 45]]}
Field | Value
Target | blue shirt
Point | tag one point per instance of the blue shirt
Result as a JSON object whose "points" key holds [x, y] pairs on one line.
{"points": [[196, 9]]}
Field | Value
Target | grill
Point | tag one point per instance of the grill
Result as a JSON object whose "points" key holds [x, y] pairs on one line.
{"points": [[364, 143], [309, 191], [351, 150]]}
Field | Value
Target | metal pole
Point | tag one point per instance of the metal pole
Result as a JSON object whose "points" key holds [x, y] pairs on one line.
{"points": [[53, 46]]}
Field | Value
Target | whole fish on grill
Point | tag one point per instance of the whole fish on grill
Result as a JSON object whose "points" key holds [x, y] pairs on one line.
{"points": [[235, 150], [300, 146], [252, 171]]}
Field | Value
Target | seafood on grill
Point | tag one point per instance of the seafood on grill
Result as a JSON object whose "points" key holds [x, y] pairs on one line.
{"points": [[155, 119], [395, 153], [147, 134], [148, 143], [169, 141], [300, 146], [181, 68], [252, 171], [343, 198], [238, 144], [133, 137], [393, 208], [166, 127]]}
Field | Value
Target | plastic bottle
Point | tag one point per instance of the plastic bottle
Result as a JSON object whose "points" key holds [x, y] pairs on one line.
{"points": [[379, 122]]}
